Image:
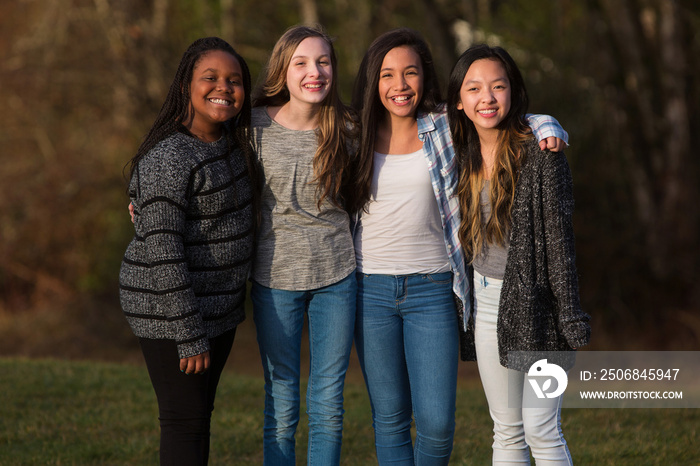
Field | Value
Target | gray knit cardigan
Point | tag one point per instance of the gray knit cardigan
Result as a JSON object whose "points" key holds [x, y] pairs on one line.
{"points": [[184, 274], [539, 308]]}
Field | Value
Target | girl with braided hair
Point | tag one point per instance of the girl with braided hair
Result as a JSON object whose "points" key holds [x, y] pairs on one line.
{"points": [[183, 277], [304, 263]]}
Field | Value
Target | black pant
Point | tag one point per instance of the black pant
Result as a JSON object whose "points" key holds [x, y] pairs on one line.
{"points": [[185, 402]]}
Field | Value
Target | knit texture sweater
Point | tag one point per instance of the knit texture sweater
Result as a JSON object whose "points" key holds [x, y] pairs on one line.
{"points": [[184, 274], [539, 308]]}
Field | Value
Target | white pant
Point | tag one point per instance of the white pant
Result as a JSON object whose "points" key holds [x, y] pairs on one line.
{"points": [[515, 428]]}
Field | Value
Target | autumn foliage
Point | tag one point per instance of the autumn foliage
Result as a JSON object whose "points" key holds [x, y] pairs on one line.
{"points": [[82, 81]]}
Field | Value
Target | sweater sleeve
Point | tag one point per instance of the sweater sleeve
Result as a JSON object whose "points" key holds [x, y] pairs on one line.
{"points": [[558, 207], [162, 201]]}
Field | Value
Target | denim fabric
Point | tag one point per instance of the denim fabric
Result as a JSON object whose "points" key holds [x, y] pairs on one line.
{"points": [[515, 429], [407, 341], [185, 402], [279, 319]]}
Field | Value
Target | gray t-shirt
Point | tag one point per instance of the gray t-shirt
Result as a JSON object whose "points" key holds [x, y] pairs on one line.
{"points": [[299, 247], [491, 261]]}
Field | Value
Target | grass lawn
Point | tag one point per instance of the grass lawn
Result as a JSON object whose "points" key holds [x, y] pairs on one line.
{"points": [[55, 412]]}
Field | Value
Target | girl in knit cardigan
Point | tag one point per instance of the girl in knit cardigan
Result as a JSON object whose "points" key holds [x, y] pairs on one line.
{"points": [[517, 233], [411, 271]]}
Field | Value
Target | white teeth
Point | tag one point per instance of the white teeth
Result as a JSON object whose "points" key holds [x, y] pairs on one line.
{"points": [[313, 86], [219, 101], [401, 98], [487, 112]]}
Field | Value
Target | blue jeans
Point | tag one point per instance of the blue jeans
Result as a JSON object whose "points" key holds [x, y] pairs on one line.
{"points": [[279, 318], [407, 340]]}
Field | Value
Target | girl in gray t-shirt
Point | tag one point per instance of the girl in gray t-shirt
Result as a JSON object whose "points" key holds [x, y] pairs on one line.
{"points": [[305, 262]]}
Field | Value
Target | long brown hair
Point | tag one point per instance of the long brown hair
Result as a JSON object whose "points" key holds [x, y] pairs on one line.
{"points": [[337, 125], [513, 134], [365, 98]]}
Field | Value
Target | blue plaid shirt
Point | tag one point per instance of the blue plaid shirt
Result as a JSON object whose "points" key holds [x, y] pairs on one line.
{"points": [[434, 131]]}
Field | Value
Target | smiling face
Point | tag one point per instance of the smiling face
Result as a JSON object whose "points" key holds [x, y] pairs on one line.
{"points": [[401, 82], [485, 94], [310, 72], [216, 93]]}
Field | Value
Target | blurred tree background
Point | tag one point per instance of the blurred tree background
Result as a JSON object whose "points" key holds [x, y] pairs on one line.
{"points": [[82, 81]]}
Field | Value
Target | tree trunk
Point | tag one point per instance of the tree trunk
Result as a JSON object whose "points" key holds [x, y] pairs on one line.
{"points": [[651, 58], [309, 11], [228, 29]]}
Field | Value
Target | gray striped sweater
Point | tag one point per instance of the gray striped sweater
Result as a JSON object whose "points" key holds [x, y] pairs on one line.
{"points": [[184, 274]]}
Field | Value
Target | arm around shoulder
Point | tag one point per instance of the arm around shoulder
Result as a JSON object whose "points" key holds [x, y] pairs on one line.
{"points": [[548, 132]]}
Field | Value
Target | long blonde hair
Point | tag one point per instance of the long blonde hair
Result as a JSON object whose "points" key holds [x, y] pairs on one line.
{"points": [[337, 125]]}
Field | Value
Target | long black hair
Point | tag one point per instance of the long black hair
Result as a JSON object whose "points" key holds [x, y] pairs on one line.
{"points": [[365, 97], [177, 108], [463, 130], [513, 133]]}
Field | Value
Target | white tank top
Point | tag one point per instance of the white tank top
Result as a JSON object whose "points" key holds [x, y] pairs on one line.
{"points": [[402, 233]]}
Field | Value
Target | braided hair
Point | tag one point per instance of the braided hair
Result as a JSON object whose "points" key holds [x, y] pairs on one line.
{"points": [[177, 107]]}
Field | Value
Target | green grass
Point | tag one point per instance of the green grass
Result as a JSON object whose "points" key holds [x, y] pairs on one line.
{"points": [[89, 413]]}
